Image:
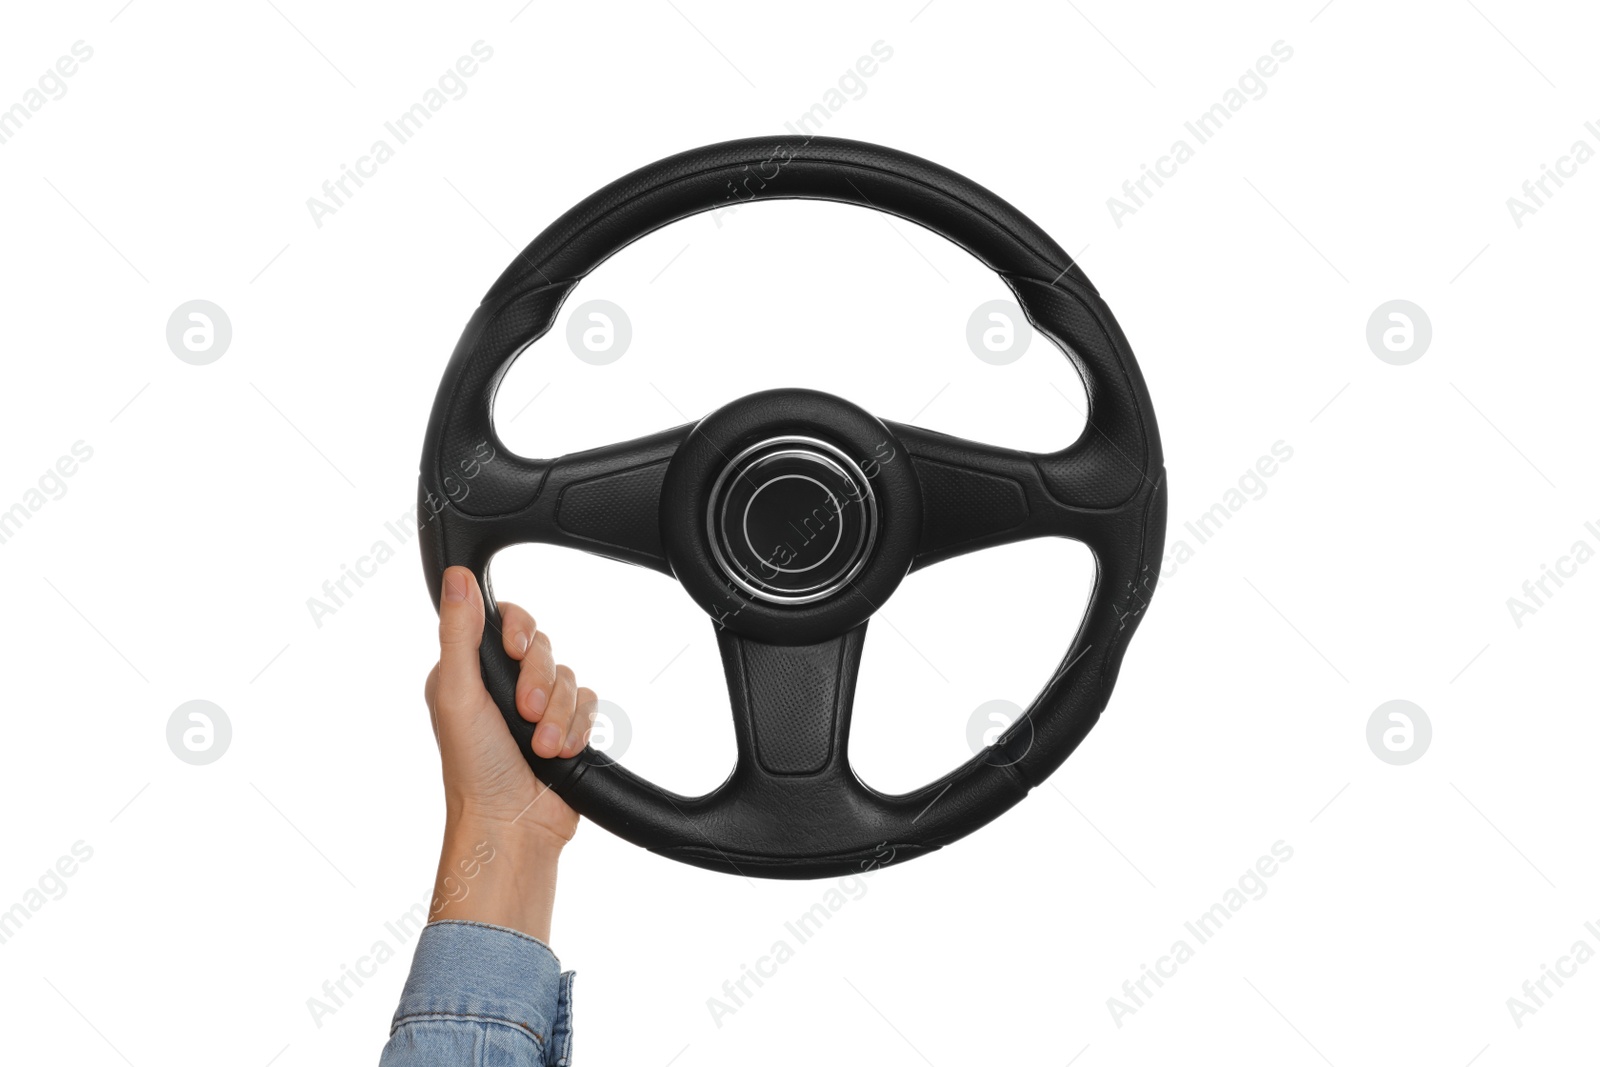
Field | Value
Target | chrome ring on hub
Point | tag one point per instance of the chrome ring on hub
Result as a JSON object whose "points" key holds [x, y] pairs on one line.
{"points": [[808, 539]]}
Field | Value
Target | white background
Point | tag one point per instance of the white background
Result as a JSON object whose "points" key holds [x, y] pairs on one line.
{"points": [[1377, 565]]}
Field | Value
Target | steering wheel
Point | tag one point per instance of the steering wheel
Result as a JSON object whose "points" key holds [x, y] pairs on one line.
{"points": [[790, 516]]}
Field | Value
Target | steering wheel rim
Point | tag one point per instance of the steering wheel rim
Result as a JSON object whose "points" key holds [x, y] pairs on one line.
{"points": [[792, 807]]}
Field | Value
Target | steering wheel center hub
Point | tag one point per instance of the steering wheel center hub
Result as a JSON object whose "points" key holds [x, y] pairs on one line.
{"points": [[792, 520]]}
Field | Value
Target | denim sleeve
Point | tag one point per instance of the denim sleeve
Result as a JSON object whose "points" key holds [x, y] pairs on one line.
{"points": [[482, 994]]}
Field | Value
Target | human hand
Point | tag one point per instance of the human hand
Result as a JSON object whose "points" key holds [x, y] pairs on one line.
{"points": [[494, 806]]}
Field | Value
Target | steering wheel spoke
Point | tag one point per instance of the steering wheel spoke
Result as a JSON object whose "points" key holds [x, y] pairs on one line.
{"points": [[605, 500], [976, 496], [608, 500], [792, 704]]}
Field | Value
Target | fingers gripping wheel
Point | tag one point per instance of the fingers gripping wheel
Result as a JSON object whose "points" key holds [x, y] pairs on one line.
{"points": [[791, 516]]}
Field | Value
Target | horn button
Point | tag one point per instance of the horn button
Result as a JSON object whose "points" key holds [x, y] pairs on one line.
{"points": [[792, 520]]}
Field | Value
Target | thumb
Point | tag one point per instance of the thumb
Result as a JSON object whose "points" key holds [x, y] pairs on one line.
{"points": [[460, 633]]}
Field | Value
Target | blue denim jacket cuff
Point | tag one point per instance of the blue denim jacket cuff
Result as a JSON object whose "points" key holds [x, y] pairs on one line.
{"points": [[489, 974]]}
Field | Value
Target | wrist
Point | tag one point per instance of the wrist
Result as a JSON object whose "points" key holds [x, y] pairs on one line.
{"points": [[497, 871], [518, 828]]}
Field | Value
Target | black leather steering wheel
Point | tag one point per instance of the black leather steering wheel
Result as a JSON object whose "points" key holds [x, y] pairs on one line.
{"points": [[790, 516]]}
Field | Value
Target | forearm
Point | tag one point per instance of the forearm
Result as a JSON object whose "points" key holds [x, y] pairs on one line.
{"points": [[484, 978]]}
